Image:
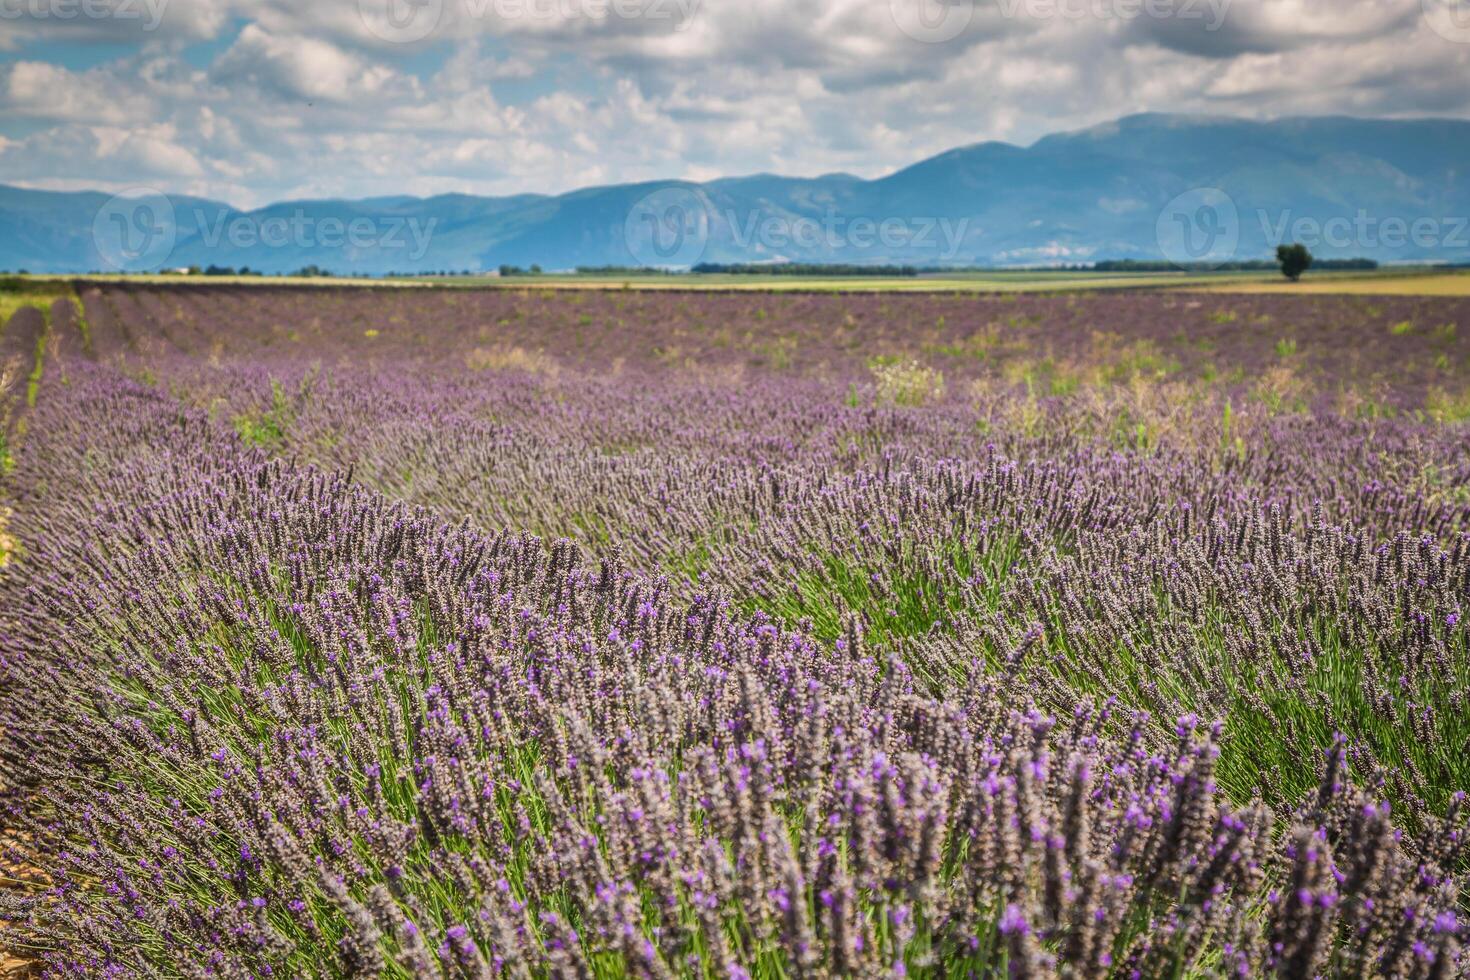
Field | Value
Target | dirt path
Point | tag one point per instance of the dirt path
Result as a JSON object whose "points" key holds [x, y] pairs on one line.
{"points": [[14, 966]]}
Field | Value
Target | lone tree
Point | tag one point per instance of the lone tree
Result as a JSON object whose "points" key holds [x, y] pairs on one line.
{"points": [[1294, 259]]}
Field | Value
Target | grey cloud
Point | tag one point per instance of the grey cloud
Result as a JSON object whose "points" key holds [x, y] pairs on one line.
{"points": [[1223, 29], [110, 21]]}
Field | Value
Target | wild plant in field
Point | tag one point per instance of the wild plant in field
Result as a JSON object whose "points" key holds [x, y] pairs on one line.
{"points": [[510, 359], [1445, 406], [906, 383], [9, 378]]}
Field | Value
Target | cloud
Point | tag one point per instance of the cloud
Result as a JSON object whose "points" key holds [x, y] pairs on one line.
{"points": [[254, 100], [37, 90], [1223, 29], [125, 156], [110, 21], [299, 68]]}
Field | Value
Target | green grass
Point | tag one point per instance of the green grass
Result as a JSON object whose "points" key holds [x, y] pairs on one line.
{"points": [[33, 382], [39, 298], [267, 428], [901, 592]]}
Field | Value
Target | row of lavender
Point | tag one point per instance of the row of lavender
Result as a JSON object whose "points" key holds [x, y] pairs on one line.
{"points": [[1359, 355], [1300, 577], [270, 723], [785, 705]]}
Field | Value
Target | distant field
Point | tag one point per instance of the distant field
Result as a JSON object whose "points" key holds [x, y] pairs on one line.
{"points": [[1029, 280], [1374, 284], [1390, 282], [161, 279]]}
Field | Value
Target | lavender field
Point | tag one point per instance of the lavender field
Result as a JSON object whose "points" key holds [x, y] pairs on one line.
{"points": [[433, 632]]}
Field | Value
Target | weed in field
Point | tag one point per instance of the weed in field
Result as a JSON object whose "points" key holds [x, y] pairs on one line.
{"points": [[267, 428], [1445, 406], [1281, 389], [512, 359], [1366, 402], [906, 383], [777, 354], [7, 542], [1122, 362]]}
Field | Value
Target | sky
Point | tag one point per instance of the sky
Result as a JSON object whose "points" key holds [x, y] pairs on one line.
{"points": [[254, 101]]}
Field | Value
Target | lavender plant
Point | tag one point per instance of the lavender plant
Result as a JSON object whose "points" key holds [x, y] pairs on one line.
{"points": [[477, 670]]}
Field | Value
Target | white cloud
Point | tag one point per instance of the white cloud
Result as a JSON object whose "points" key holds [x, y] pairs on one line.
{"points": [[38, 90], [303, 68], [547, 95]]}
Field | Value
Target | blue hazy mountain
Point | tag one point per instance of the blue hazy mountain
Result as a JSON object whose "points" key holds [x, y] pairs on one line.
{"points": [[1393, 190]]}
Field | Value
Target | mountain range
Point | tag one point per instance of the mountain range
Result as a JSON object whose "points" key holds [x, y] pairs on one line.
{"points": [[1144, 187]]}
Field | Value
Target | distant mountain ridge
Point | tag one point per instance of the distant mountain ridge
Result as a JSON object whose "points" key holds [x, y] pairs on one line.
{"points": [[1392, 190]]}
